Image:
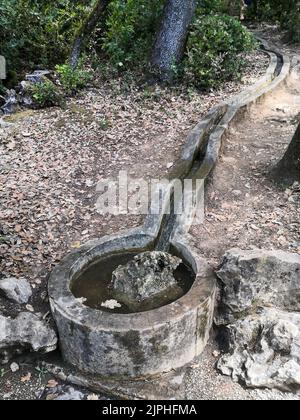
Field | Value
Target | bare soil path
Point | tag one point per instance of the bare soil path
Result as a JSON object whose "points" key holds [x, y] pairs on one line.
{"points": [[244, 208]]}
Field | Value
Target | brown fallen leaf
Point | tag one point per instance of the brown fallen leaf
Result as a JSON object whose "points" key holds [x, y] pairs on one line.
{"points": [[26, 378], [75, 245], [11, 145], [51, 397], [52, 383], [18, 228]]}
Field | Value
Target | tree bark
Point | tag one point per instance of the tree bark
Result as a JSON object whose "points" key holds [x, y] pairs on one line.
{"points": [[86, 30], [171, 38], [288, 169]]}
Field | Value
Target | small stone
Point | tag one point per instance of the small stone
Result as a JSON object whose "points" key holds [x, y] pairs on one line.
{"points": [[216, 354], [14, 367], [17, 290]]}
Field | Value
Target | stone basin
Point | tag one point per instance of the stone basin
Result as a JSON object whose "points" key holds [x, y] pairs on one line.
{"points": [[131, 344]]}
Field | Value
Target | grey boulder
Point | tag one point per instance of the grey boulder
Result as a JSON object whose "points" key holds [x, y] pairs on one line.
{"points": [[149, 275], [258, 278], [264, 350], [25, 333], [38, 76], [11, 102], [17, 290]]}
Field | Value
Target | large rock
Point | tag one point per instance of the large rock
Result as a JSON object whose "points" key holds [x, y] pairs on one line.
{"points": [[25, 333], [38, 76], [11, 102], [149, 275], [264, 350], [258, 278], [17, 290]]}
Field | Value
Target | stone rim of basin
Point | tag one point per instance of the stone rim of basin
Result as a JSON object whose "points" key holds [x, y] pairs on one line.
{"points": [[114, 344], [59, 286]]}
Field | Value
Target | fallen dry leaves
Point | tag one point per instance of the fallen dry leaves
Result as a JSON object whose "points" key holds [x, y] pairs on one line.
{"points": [[51, 161]]}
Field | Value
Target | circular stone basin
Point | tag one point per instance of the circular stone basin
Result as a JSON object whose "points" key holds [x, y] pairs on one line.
{"points": [[110, 344]]}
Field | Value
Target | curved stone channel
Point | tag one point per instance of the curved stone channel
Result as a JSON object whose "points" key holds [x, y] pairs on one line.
{"points": [[111, 345]]}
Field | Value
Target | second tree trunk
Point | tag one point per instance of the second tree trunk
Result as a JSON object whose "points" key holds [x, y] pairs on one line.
{"points": [[171, 39]]}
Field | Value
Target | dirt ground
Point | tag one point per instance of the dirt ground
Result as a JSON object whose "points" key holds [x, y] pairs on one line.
{"points": [[51, 161], [244, 206]]}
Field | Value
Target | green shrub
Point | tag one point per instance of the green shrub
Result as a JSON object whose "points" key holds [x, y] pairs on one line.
{"points": [[72, 80], [214, 49], [130, 29], [46, 94], [38, 33], [207, 6], [294, 29], [286, 13], [2, 88]]}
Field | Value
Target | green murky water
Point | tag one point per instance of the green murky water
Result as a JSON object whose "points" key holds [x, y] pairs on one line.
{"points": [[93, 284]]}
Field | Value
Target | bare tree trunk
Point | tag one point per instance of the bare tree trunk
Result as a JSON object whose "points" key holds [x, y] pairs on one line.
{"points": [[171, 38], [86, 30], [288, 169]]}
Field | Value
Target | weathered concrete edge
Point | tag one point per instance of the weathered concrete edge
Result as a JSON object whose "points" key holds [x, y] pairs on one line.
{"points": [[161, 387], [242, 103], [209, 132], [234, 109], [82, 329]]}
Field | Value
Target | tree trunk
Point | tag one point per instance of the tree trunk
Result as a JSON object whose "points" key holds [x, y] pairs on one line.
{"points": [[86, 30], [288, 169], [171, 38]]}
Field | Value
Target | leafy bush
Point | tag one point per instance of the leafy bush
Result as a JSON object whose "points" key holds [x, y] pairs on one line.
{"points": [[2, 89], [214, 49], [286, 13], [130, 30], [72, 80], [38, 33], [46, 94], [293, 26], [207, 6]]}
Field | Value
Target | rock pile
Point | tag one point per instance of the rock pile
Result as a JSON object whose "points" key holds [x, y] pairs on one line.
{"points": [[22, 96], [260, 315]]}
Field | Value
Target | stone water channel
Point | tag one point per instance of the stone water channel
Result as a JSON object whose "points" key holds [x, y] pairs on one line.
{"points": [[108, 348]]}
